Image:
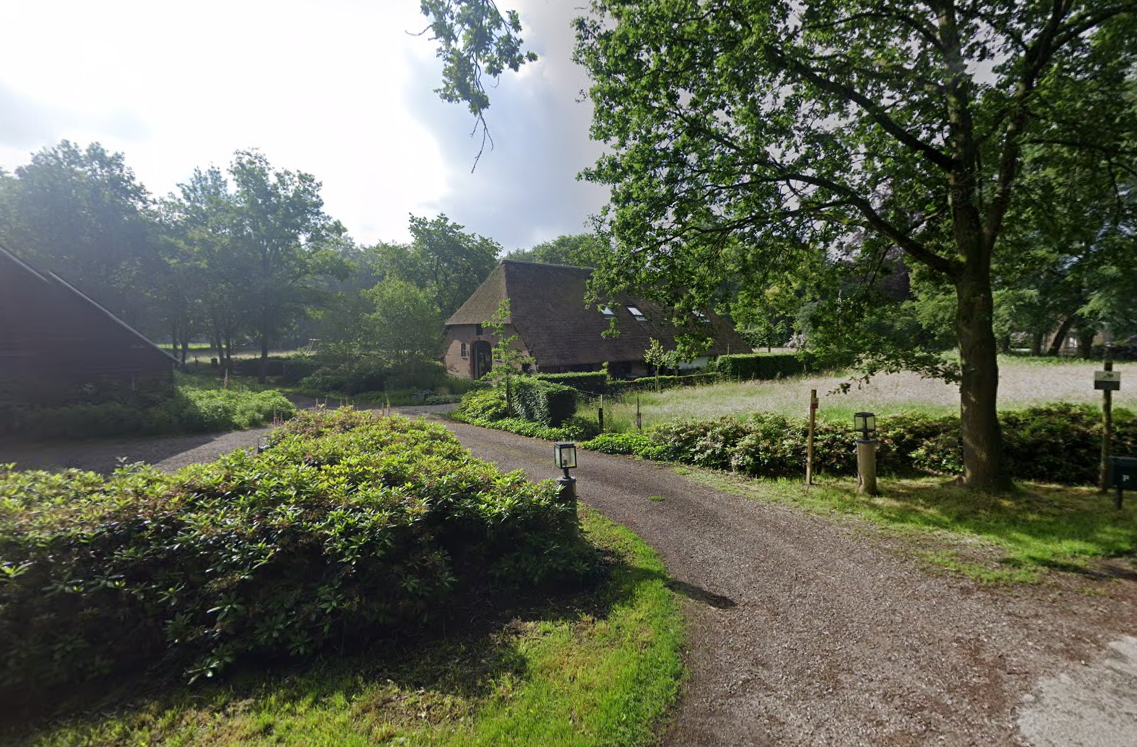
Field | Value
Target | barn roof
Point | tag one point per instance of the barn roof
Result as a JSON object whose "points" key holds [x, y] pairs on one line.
{"points": [[42, 317], [549, 313]]}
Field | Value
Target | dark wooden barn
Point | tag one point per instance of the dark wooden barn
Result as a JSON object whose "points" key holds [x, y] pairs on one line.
{"points": [[56, 342]]}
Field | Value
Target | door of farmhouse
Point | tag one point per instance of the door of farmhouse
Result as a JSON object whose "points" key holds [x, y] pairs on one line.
{"points": [[483, 358]]}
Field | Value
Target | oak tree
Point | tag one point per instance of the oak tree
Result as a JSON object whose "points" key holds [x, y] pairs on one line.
{"points": [[751, 138]]}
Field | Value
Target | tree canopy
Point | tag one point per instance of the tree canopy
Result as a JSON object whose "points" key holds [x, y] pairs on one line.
{"points": [[579, 250], [81, 212], [758, 139], [474, 39]]}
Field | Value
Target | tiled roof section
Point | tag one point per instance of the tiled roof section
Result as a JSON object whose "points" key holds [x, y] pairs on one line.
{"points": [[548, 311]]}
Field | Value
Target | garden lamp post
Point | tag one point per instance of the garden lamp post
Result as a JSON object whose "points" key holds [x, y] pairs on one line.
{"points": [[564, 454], [865, 424]]}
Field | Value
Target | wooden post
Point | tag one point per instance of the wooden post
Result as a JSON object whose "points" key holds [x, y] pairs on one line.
{"points": [[1106, 427], [809, 442], [600, 414], [639, 417], [866, 466]]}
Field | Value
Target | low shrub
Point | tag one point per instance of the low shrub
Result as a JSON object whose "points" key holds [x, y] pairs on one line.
{"points": [[1056, 443], [638, 444], [481, 405], [543, 402], [289, 368], [373, 374], [585, 382], [648, 383], [348, 527], [759, 366], [191, 408]]}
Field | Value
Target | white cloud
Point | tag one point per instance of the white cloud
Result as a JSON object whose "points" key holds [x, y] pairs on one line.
{"points": [[339, 89]]}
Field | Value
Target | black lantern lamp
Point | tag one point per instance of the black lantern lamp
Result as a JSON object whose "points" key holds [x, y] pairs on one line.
{"points": [[564, 453], [865, 422]]}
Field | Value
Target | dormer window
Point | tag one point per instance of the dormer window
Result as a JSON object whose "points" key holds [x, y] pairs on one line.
{"points": [[636, 313]]}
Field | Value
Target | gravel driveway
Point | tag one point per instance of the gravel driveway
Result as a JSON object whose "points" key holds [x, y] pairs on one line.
{"points": [[810, 631]]}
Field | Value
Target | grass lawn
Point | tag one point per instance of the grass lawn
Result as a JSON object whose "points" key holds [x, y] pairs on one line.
{"points": [[1023, 382], [590, 669], [1011, 538]]}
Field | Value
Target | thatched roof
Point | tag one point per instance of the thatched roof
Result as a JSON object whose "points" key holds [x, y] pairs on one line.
{"points": [[548, 311]]}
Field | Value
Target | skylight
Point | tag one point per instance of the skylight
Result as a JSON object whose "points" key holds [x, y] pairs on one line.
{"points": [[607, 311], [635, 312]]}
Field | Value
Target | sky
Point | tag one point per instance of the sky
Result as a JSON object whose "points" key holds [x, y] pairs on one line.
{"points": [[341, 89]]}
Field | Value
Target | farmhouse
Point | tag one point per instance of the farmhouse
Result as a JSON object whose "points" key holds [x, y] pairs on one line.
{"points": [[55, 341], [557, 329]]}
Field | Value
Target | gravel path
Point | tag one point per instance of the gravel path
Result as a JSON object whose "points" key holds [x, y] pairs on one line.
{"points": [[811, 631], [804, 631]]}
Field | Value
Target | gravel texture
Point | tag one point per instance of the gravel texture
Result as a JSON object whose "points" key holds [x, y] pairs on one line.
{"points": [[805, 631], [815, 631]]}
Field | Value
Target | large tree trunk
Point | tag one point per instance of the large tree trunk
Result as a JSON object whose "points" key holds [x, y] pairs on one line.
{"points": [[263, 375], [1036, 339], [1060, 337], [983, 467], [1086, 342]]}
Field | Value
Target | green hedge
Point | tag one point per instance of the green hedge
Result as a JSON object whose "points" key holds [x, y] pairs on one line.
{"points": [[189, 409], [348, 527], [543, 402], [759, 366], [486, 408], [588, 382], [1056, 443], [648, 383]]}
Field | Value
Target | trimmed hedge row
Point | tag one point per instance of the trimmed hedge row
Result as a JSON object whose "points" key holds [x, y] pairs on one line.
{"points": [[587, 382], [349, 527], [188, 409], [543, 402], [486, 408], [597, 382], [648, 383], [1055, 443], [759, 366]]}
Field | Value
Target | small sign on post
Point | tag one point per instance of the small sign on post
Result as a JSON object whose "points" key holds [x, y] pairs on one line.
{"points": [[1107, 381]]}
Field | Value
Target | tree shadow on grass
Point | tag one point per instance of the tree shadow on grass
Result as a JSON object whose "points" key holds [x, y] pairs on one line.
{"points": [[433, 676]]}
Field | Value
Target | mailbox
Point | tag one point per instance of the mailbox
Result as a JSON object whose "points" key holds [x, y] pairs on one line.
{"points": [[1123, 473]]}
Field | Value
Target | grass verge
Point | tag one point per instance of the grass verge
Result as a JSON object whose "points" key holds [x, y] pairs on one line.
{"points": [[595, 669], [1023, 382], [995, 539]]}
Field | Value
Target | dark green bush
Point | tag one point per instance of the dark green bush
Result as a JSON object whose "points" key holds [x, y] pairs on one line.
{"points": [[759, 366], [349, 527], [587, 382], [481, 406], [373, 374], [1062, 442], [648, 383], [1056, 443], [543, 402], [638, 444], [190, 408]]}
